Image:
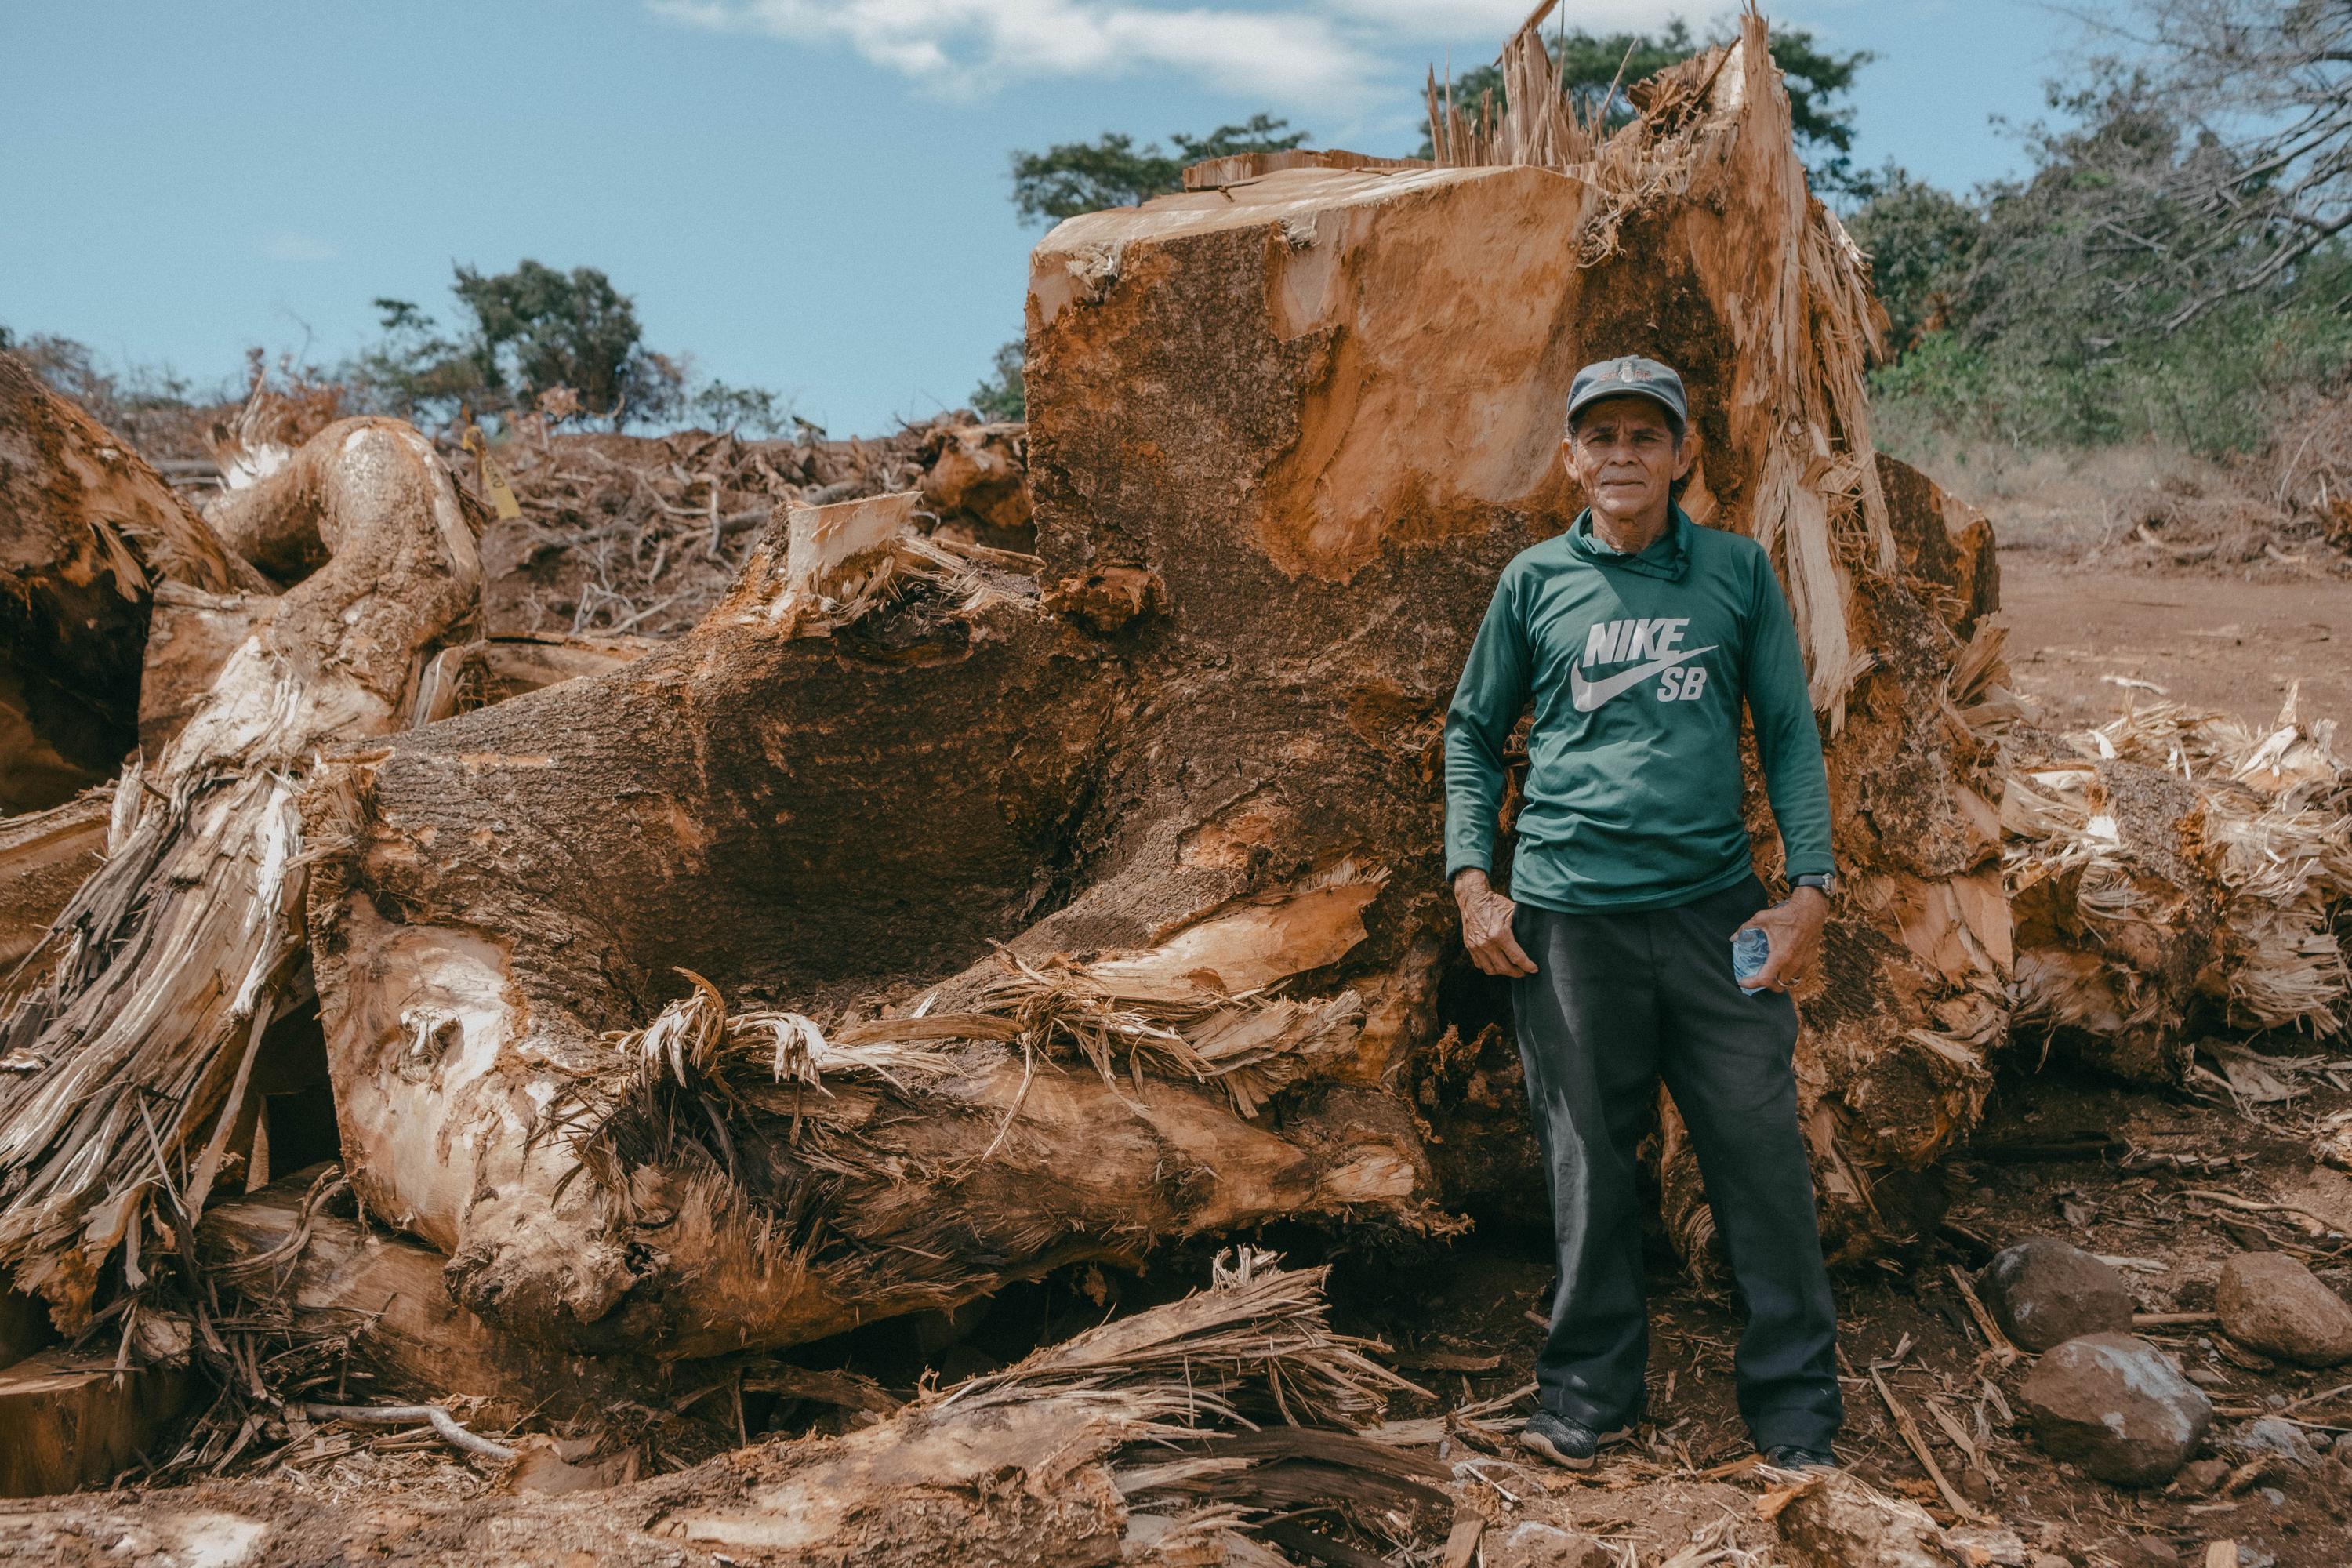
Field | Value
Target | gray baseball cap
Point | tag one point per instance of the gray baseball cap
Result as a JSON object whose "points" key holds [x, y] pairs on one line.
{"points": [[1629, 376]]}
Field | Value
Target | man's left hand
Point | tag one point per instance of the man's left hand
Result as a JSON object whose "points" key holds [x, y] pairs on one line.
{"points": [[1794, 928]]}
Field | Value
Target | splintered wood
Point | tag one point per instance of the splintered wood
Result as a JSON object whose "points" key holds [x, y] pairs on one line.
{"points": [[165, 969], [2173, 870]]}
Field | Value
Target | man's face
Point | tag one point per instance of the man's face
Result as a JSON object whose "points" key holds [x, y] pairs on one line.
{"points": [[1625, 456]]}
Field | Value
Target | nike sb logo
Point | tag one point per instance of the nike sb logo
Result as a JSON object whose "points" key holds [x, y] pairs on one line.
{"points": [[1651, 641]]}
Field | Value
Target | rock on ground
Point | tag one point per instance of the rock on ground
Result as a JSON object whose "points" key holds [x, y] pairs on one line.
{"points": [[2045, 1292], [1837, 1520], [2117, 1406], [2276, 1436], [2270, 1303]]}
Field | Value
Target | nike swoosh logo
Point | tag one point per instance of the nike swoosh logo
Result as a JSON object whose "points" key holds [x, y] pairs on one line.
{"points": [[1589, 695]]}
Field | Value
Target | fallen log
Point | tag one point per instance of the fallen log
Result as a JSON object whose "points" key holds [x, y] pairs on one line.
{"points": [[163, 973], [284, 1253], [1173, 1436]]}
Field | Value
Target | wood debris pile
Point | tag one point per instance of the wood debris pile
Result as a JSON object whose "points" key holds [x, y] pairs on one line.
{"points": [[643, 535], [588, 533], [1083, 835], [2174, 872]]}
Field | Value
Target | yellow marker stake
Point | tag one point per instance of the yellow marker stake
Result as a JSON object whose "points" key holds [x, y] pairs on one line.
{"points": [[494, 478]]}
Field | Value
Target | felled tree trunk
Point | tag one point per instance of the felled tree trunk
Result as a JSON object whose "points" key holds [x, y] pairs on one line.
{"points": [[164, 972], [808, 818], [1124, 1446], [671, 1004]]}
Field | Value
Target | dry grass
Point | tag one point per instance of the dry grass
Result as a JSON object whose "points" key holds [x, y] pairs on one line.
{"points": [[2288, 510]]}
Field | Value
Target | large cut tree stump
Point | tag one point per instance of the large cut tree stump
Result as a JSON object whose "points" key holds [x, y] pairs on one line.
{"points": [[903, 928]]}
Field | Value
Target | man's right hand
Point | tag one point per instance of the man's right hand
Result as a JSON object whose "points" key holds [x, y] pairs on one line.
{"points": [[1486, 926]]}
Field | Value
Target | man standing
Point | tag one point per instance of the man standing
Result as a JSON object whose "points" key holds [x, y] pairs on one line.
{"points": [[1637, 636]]}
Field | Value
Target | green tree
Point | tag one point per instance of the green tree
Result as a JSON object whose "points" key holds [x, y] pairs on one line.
{"points": [[756, 409], [1074, 177], [1591, 64], [412, 369], [2074, 315], [1920, 239], [1002, 395], [530, 331], [536, 329]]}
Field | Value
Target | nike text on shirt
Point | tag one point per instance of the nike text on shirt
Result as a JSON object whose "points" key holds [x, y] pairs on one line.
{"points": [[1653, 641]]}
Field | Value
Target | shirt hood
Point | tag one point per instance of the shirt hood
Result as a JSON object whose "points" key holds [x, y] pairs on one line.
{"points": [[1668, 557]]}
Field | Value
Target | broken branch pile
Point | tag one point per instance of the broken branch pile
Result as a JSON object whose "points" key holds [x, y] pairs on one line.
{"points": [[633, 534]]}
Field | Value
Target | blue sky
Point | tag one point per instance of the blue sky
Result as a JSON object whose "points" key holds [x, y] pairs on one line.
{"points": [[808, 195]]}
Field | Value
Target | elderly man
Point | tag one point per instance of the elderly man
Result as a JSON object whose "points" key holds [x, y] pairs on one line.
{"points": [[1637, 636]]}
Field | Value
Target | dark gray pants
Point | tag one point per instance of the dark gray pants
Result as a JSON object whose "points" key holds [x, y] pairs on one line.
{"points": [[1617, 1002]]}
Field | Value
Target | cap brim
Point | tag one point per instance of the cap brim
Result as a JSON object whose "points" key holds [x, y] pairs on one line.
{"points": [[1603, 393]]}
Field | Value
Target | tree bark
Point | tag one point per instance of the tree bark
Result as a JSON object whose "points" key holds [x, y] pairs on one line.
{"points": [[87, 533]]}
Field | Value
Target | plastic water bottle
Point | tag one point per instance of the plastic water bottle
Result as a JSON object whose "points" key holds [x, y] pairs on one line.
{"points": [[1751, 950]]}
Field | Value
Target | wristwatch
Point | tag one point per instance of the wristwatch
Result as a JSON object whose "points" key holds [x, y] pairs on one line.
{"points": [[1825, 881]]}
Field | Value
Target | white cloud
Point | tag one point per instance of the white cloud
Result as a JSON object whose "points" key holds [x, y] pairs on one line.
{"points": [[287, 244], [1306, 53]]}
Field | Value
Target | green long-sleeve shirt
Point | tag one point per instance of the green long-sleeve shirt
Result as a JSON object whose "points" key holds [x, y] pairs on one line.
{"points": [[1637, 666]]}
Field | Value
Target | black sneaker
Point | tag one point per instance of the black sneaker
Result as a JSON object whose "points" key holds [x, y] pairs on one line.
{"points": [[1566, 1442], [1791, 1456]]}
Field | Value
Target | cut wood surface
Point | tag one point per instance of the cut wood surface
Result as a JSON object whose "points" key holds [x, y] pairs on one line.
{"points": [[45, 858], [69, 1422]]}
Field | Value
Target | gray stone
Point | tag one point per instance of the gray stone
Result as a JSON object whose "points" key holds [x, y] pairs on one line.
{"points": [[2044, 1292], [2274, 1435], [2270, 1303], [2118, 1406]]}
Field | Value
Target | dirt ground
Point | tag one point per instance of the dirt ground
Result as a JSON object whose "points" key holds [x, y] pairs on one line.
{"points": [[2225, 642]]}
